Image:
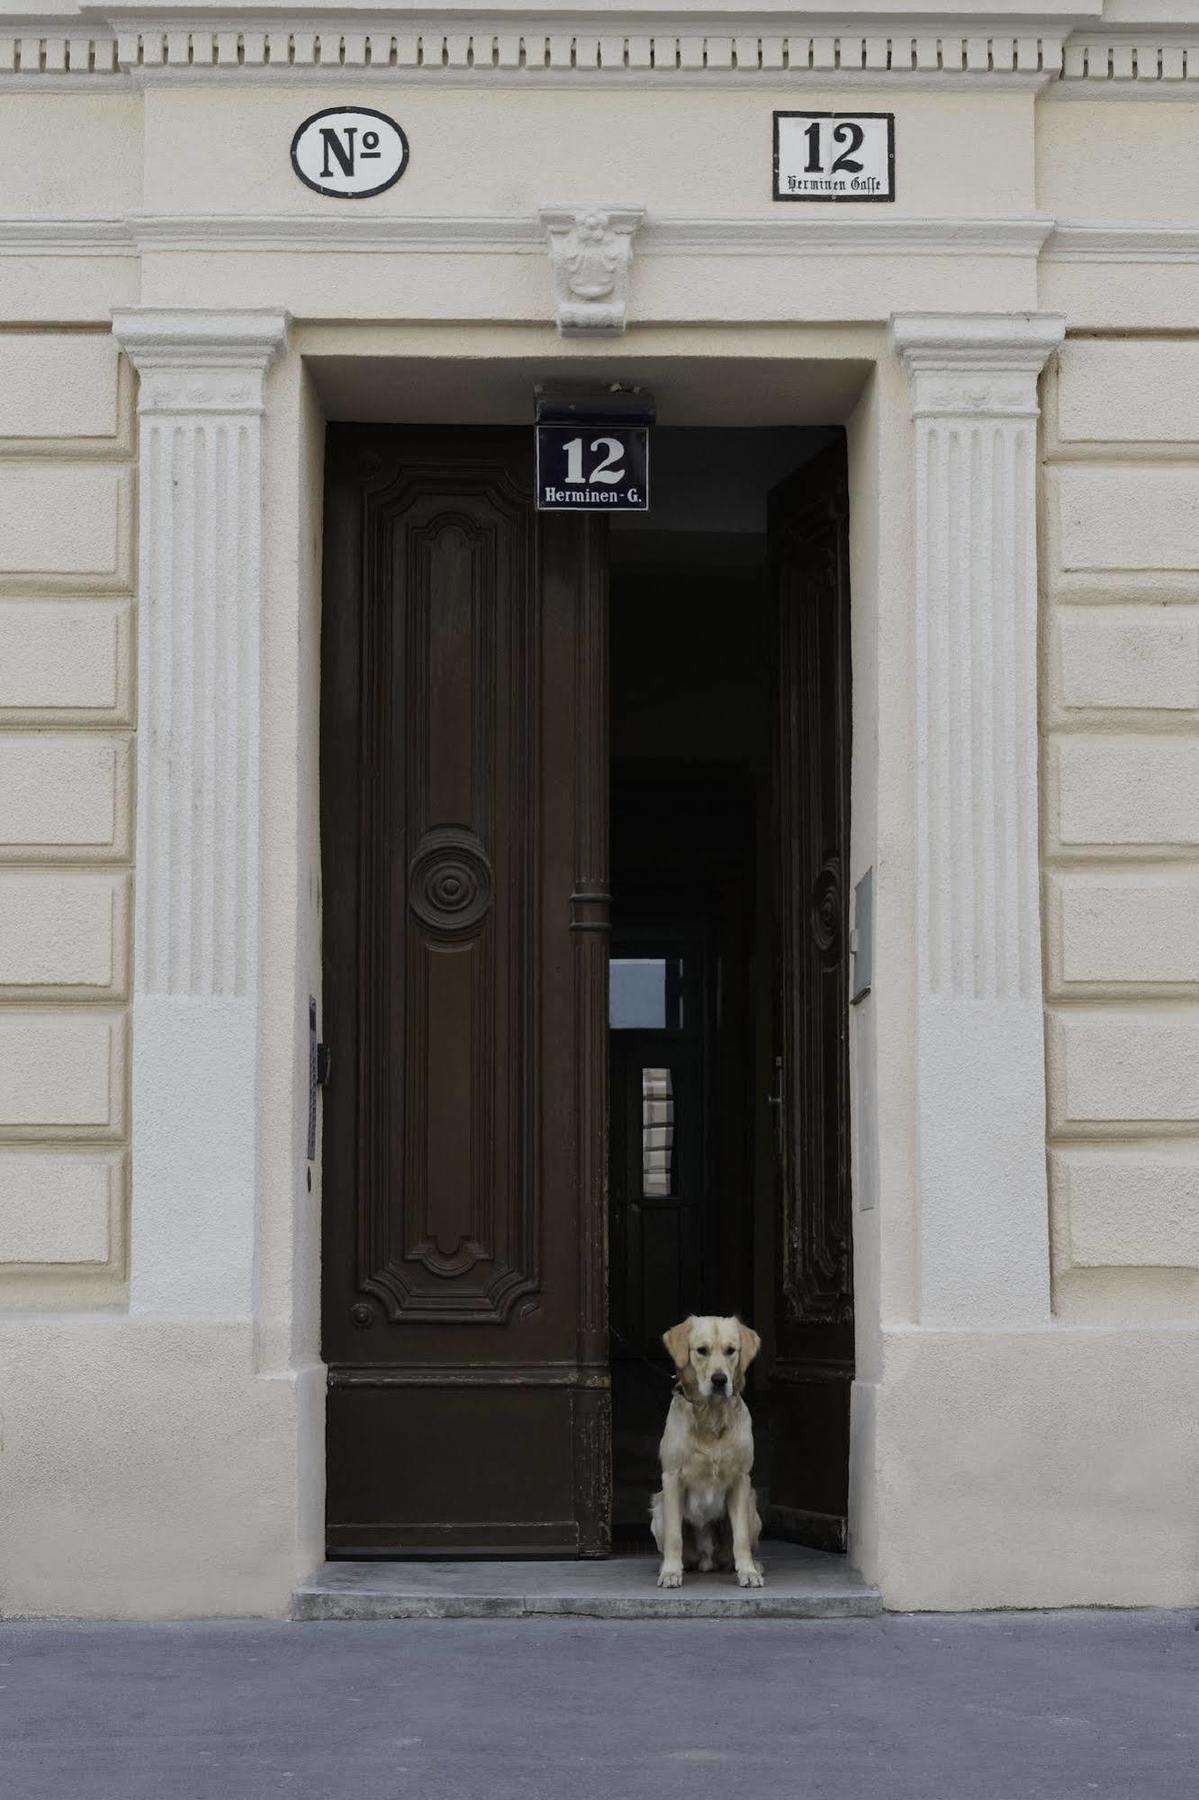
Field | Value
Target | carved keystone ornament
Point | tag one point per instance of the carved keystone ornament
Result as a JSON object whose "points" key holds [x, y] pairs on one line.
{"points": [[591, 252]]}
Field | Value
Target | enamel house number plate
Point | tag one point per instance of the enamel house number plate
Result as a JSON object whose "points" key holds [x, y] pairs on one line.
{"points": [[349, 152], [834, 156], [592, 468]]}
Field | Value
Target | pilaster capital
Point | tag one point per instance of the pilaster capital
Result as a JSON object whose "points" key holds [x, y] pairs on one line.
{"points": [[976, 364], [198, 360], [591, 253]]}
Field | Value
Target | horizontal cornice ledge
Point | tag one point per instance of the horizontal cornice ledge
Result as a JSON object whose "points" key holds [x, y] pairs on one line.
{"points": [[42, 235], [1020, 234], [662, 234], [814, 15], [337, 233], [1071, 241]]}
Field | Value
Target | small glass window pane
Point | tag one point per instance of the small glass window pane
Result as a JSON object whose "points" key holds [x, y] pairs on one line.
{"points": [[646, 993], [657, 1133]]}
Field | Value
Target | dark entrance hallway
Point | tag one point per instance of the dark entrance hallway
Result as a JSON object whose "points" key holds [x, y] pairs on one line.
{"points": [[710, 722]]}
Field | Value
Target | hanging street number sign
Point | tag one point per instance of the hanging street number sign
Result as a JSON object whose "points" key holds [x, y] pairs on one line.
{"points": [[349, 152], [592, 468], [834, 156]]}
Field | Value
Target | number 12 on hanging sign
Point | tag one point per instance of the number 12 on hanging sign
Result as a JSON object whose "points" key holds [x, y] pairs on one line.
{"points": [[592, 468], [834, 156]]}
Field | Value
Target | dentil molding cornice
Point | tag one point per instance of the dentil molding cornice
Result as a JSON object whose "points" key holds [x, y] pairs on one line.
{"points": [[1092, 46]]}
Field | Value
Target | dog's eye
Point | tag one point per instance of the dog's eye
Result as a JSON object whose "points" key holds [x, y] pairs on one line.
{"points": [[702, 1350], [730, 1349]]}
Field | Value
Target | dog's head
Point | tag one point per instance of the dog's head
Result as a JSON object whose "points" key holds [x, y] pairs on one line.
{"points": [[711, 1355]]}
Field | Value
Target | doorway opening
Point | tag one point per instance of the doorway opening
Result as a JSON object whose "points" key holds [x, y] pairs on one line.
{"points": [[705, 709], [584, 790]]}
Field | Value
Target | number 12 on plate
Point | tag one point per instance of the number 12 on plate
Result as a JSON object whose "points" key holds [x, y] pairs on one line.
{"points": [[834, 156]]}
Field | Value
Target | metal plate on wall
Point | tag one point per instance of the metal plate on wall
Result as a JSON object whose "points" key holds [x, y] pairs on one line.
{"points": [[827, 156], [349, 152], [592, 468]]}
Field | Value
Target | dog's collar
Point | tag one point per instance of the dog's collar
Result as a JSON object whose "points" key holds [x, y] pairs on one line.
{"points": [[678, 1389]]}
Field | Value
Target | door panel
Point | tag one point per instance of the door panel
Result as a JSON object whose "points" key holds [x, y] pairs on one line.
{"points": [[464, 830], [813, 1350]]}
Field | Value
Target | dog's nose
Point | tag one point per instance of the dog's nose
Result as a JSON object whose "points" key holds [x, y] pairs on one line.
{"points": [[720, 1380]]}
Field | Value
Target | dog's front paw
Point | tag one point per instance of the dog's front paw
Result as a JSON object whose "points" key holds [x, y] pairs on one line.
{"points": [[670, 1577], [751, 1577]]}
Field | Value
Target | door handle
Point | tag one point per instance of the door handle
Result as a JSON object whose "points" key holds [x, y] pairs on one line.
{"points": [[775, 1102]]}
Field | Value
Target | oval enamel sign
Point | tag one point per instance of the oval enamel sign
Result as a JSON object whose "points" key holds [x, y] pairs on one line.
{"points": [[350, 152]]}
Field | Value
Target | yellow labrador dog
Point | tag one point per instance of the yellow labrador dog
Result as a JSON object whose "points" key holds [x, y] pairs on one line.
{"points": [[706, 1508]]}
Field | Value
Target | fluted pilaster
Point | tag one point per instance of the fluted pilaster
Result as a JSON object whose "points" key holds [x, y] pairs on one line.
{"points": [[982, 1202], [196, 918]]}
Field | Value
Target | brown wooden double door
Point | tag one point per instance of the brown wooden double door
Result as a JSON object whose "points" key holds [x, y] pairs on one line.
{"points": [[465, 844], [465, 914]]}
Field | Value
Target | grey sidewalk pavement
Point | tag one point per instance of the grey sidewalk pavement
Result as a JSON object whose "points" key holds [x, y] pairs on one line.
{"points": [[998, 1707]]}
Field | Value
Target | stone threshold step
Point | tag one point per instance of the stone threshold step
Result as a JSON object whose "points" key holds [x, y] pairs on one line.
{"points": [[800, 1584]]}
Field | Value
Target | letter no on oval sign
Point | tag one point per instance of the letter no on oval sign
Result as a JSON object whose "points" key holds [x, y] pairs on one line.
{"points": [[349, 152]]}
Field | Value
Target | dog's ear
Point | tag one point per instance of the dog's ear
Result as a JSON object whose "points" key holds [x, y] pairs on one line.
{"points": [[751, 1343], [678, 1342]]}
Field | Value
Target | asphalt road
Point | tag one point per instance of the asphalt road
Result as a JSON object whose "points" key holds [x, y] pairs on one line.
{"points": [[999, 1707]]}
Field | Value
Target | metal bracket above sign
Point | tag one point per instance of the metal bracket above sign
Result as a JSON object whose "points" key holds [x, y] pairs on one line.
{"points": [[592, 451]]}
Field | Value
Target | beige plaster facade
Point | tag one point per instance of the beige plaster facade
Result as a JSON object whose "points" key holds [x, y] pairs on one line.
{"points": [[1026, 1262]]}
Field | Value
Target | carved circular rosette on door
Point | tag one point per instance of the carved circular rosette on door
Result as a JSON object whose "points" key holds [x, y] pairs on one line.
{"points": [[449, 881], [826, 906]]}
